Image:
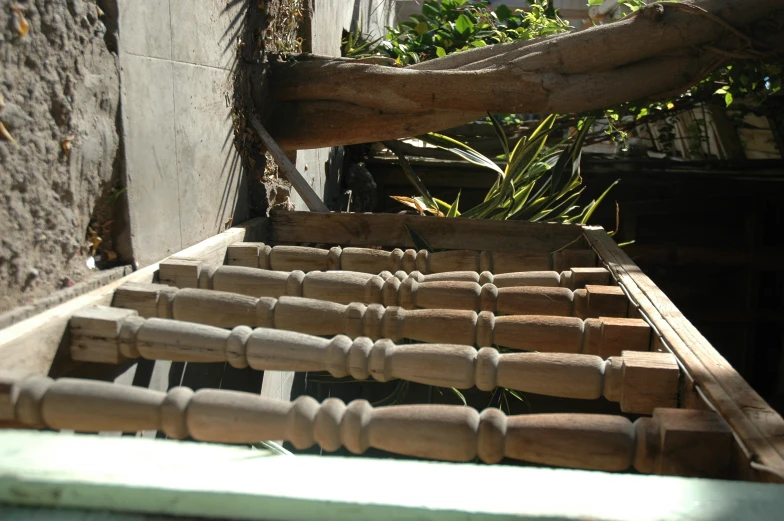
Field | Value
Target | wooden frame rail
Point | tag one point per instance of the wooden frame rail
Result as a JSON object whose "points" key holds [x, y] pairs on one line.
{"points": [[367, 260], [345, 287], [640, 382], [443, 432], [601, 336], [758, 429]]}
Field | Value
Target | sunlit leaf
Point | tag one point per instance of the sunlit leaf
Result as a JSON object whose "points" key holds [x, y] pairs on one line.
{"points": [[453, 211], [409, 201], [421, 28], [501, 133], [459, 395], [462, 150], [463, 25], [596, 203]]}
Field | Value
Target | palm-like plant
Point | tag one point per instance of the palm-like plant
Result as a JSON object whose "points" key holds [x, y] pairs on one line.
{"points": [[537, 182]]}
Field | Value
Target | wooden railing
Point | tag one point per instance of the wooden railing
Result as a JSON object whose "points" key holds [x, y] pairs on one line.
{"points": [[601, 336], [639, 381], [443, 432], [366, 260], [346, 287]]}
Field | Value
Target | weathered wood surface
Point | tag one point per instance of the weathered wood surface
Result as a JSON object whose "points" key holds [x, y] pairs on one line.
{"points": [[368, 260], [346, 287], [290, 172], [186, 479], [441, 432], [390, 230], [640, 382], [600, 336], [759, 428], [574, 278], [32, 345]]}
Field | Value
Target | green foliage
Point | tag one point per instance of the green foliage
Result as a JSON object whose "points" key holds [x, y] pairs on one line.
{"points": [[536, 183], [457, 25], [755, 80]]}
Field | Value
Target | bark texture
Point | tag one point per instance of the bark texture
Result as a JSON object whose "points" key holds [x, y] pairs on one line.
{"points": [[659, 52]]}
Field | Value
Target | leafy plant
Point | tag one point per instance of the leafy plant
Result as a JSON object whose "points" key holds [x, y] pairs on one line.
{"points": [[534, 183], [457, 25]]}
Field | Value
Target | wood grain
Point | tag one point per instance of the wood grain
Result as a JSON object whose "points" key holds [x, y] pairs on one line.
{"points": [[345, 287], [754, 422], [311, 198], [601, 336], [441, 432], [369, 260], [390, 230], [641, 382]]}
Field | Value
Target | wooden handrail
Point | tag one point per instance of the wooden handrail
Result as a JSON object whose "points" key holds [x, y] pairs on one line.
{"points": [[367, 260], [574, 278], [639, 381], [346, 287], [442, 432], [603, 336]]}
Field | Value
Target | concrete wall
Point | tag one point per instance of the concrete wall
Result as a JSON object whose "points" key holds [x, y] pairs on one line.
{"points": [[320, 167], [182, 178]]}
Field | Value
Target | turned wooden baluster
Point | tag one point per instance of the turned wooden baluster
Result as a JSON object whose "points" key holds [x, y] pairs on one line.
{"points": [[639, 381], [442, 432], [575, 278], [604, 337], [365, 260], [346, 287]]}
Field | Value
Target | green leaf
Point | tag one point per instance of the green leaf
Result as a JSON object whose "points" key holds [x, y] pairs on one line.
{"points": [[478, 43], [459, 395], [464, 25], [431, 9], [453, 211], [728, 99], [501, 133], [503, 12], [440, 51], [419, 242], [596, 203], [462, 150], [421, 28], [514, 393]]}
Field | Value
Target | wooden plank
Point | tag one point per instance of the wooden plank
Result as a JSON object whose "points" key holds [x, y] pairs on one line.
{"points": [[290, 172], [439, 232], [32, 345], [759, 428], [163, 477]]}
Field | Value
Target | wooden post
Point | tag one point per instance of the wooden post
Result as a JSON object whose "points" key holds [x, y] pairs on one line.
{"points": [[346, 287], [603, 336], [442, 432], [366, 260], [682, 442], [639, 381]]}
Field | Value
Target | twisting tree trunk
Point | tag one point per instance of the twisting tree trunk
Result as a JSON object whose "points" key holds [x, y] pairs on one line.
{"points": [[659, 52]]}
